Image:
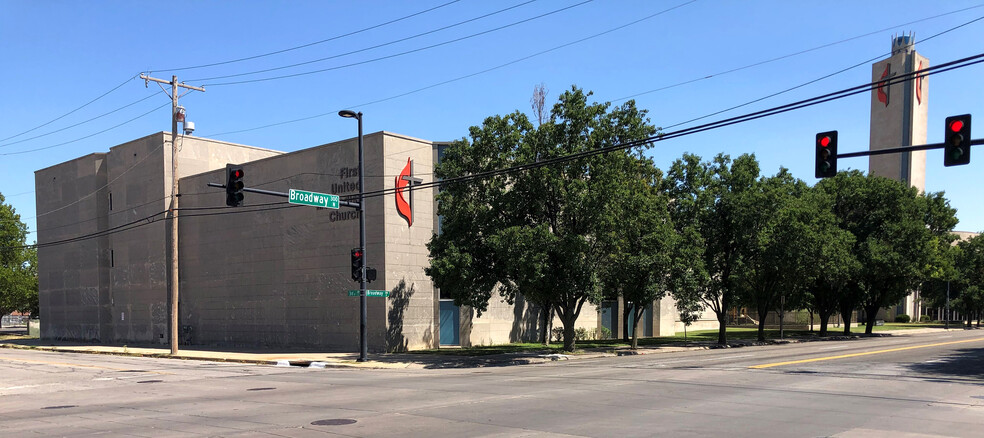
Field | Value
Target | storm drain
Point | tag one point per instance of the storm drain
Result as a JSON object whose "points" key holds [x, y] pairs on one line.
{"points": [[260, 389], [150, 381], [333, 422], [60, 407]]}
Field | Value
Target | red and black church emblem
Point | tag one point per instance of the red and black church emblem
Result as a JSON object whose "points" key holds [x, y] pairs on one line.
{"points": [[404, 192]]}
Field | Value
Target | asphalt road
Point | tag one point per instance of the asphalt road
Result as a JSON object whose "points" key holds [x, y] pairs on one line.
{"points": [[906, 385]]}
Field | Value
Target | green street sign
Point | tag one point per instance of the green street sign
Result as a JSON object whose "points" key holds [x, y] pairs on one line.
{"points": [[313, 199], [370, 293]]}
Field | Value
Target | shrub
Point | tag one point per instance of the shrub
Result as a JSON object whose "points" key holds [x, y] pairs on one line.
{"points": [[606, 333], [925, 318], [902, 318]]}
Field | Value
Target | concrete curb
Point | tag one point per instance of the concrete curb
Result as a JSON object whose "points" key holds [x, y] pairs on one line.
{"points": [[410, 360]]}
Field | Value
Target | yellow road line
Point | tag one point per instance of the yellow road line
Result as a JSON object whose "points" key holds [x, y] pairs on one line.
{"points": [[770, 365], [65, 364]]}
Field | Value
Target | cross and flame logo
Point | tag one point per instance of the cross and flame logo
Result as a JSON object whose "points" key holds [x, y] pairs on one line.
{"points": [[404, 184]]}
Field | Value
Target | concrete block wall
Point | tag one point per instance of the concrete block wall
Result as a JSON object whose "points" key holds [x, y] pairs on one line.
{"points": [[72, 202]]}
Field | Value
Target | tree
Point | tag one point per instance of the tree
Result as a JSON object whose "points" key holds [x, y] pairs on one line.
{"points": [[641, 244], [18, 264], [705, 210], [834, 263], [970, 276], [778, 263], [533, 233], [898, 238]]}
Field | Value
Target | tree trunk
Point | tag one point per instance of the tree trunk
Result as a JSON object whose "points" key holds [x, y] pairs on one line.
{"points": [[761, 328], [846, 316], [545, 335], [824, 318], [722, 327], [871, 312], [782, 315], [636, 317], [569, 336]]}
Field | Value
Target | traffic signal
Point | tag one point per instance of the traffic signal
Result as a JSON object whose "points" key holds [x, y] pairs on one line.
{"points": [[358, 258], [956, 142], [234, 186], [826, 154]]}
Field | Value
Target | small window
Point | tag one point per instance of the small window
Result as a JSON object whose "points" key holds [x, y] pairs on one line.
{"points": [[112, 259], [110, 201]]}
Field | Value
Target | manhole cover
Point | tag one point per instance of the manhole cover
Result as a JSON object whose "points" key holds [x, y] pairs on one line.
{"points": [[333, 422], [150, 381], [60, 407], [260, 389]]}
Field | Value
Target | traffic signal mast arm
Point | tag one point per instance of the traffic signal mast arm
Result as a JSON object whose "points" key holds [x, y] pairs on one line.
{"points": [[349, 204], [922, 147]]}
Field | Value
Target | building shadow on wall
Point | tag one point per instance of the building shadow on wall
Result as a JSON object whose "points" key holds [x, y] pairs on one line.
{"points": [[399, 301]]}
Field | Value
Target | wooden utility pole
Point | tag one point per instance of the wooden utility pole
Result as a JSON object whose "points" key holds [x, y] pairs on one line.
{"points": [[173, 209]]}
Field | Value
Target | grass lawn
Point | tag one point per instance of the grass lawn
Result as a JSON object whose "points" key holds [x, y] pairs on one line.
{"points": [[697, 336]]}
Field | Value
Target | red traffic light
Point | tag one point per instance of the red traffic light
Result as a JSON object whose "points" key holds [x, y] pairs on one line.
{"points": [[357, 254], [825, 141], [956, 125], [238, 173]]}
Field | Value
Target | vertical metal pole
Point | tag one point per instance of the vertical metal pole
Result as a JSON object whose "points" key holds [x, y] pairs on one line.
{"points": [[174, 215], [364, 344]]}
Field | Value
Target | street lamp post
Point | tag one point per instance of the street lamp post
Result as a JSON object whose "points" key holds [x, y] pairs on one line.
{"points": [[363, 343]]}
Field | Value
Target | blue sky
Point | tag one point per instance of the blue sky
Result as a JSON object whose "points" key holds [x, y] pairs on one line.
{"points": [[59, 55]]}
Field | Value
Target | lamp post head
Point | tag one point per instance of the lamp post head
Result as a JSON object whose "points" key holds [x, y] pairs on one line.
{"points": [[350, 114]]}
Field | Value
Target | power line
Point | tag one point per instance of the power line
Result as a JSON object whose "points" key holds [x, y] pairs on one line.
{"points": [[308, 44], [88, 136], [365, 49], [817, 79], [77, 124], [840, 94], [70, 112], [801, 52], [461, 77], [419, 49]]}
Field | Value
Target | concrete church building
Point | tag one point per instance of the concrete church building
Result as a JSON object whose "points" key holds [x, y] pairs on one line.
{"points": [[267, 273]]}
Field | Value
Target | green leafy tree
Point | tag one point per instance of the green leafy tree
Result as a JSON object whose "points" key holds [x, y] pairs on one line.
{"points": [[706, 210], [18, 264], [970, 275], [779, 262], [641, 245], [534, 233], [898, 238], [834, 262]]}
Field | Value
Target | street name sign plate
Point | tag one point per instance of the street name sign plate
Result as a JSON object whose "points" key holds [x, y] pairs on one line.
{"points": [[313, 199], [370, 293]]}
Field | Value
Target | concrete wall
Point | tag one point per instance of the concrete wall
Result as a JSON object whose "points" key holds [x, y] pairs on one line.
{"points": [[114, 288], [73, 277]]}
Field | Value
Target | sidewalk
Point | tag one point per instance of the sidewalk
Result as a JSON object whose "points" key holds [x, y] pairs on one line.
{"points": [[305, 359], [385, 361]]}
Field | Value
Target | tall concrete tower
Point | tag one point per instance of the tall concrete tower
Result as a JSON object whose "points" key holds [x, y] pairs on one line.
{"points": [[899, 114]]}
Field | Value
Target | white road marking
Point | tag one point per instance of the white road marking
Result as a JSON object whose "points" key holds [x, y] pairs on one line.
{"points": [[835, 347]]}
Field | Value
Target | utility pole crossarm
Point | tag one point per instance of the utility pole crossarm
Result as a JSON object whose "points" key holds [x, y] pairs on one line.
{"points": [[181, 85]]}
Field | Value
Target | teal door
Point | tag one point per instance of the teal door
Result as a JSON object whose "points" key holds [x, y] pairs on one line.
{"points": [[450, 323]]}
